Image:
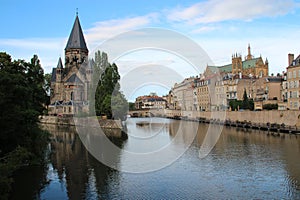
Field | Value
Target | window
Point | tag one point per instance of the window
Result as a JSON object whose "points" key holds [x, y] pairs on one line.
{"points": [[295, 94], [290, 75], [299, 73], [295, 104], [294, 74]]}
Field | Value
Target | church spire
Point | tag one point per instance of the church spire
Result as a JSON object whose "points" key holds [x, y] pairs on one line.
{"points": [[249, 56], [76, 39], [59, 64]]}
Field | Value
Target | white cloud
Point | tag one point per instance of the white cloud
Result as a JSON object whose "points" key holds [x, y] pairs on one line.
{"points": [[47, 49], [33, 43], [223, 10], [205, 29], [107, 29]]}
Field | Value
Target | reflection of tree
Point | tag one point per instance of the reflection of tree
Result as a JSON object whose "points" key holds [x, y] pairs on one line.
{"points": [[28, 181], [70, 157]]}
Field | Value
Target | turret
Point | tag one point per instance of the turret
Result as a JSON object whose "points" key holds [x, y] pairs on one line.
{"points": [[237, 64], [76, 51], [249, 56], [59, 71]]}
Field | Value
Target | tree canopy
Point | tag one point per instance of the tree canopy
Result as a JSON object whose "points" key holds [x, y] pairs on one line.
{"points": [[246, 103], [22, 100], [109, 100]]}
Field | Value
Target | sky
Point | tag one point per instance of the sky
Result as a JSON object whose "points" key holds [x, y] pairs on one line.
{"points": [[219, 27]]}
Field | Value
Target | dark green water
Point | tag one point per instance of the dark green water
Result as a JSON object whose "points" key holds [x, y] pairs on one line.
{"points": [[242, 165]]}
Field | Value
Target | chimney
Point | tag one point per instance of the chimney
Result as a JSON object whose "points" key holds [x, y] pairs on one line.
{"points": [[291, 58]]}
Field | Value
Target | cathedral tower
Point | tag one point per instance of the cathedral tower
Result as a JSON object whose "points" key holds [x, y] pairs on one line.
{"points": [[76, 52], [69, 85], [249, 56], [237, 65]]}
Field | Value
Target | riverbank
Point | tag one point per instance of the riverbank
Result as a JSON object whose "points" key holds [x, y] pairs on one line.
{"points": [[111, 128], [69, 121], [283, 121]]}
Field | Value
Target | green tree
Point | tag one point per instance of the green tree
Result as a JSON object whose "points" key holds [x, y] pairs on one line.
{"points": [[270, 106], [22, 100], [235, 104], [109, 100], [131, 106], [245, 102]]}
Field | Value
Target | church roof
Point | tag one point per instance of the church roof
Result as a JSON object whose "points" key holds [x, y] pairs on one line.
{"points": [[74, 79], [59, 64], [76, 39], [250, 63], [226, 68], [246, 64], [53, 77]]}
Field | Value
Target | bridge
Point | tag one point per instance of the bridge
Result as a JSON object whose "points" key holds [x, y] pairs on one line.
{"points": [[141, 113]]}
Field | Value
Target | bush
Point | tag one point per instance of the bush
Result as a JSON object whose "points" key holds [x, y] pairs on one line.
{"points": [[270, 106]]}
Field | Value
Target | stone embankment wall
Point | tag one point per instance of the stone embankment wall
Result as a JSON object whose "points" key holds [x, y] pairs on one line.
{"points": [[104, 123], [288, 117]]}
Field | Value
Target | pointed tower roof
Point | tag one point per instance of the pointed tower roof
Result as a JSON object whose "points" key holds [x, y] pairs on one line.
{"points": [[76, 39], [59, 64]]}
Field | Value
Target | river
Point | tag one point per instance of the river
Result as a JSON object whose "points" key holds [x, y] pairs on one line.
{"points": [[243, 164]]}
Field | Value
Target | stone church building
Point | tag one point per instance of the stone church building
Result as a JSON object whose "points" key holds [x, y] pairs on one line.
{"points": [[251, 66], [70, 82]]}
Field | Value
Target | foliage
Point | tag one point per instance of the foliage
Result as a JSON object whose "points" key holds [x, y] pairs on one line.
{"points": [[109, 100], [22, 97], [22, 100], [10, 163], [270, 106], [47, 83], [131, 106], [235, 104], [246, 103]]}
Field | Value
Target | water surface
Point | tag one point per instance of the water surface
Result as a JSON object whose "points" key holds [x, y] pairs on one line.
{"points": [[243, 165]]}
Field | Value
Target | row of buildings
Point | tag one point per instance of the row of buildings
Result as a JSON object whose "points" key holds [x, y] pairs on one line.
{"points": [[218, 85]]}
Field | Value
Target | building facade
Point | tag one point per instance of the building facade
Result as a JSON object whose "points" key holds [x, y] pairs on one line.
{"points": [[250, 66], [151, 101], [70, 82], [293, 79], [183, 95]]}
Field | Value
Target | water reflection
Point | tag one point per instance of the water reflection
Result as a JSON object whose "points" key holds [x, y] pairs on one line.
{"points": [[243, 165]]}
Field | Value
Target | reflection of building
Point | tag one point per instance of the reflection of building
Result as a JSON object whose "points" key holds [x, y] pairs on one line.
{"points": [[293, 79], [151, 101], [77, 170], [70, 83]]}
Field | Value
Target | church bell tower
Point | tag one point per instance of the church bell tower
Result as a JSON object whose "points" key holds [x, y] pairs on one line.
{"points": [[76, 52]]}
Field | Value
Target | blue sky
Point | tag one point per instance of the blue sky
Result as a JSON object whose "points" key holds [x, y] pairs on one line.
{"points": [[220, 27]]}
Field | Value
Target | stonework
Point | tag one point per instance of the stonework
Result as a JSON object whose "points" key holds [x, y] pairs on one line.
{"points": [[293, 83], [70, 84], [251, 66]]}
